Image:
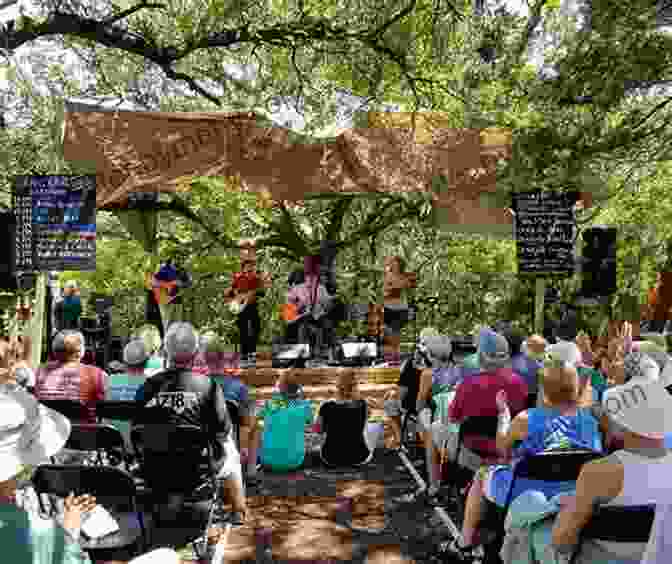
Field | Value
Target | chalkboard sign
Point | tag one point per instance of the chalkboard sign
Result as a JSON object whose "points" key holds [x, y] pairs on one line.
{"points": [[545, 231], [56, 223]]}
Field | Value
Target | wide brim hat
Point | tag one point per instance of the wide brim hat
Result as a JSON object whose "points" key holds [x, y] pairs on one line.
{"points": [[642, 407], [30, 433]]}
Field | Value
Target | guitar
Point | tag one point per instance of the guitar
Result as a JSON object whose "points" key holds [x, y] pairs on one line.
{"points": [[240, 301]]}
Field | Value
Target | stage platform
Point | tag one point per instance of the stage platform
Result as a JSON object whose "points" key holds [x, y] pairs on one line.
{"points": [[265, 375]]}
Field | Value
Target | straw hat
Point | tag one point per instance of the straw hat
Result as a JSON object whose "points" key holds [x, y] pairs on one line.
{"points": [[30, 433]]}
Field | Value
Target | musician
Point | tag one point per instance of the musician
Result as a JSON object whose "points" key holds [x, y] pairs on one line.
{"points": [[396, 312], [241, 296], [313, 305]]}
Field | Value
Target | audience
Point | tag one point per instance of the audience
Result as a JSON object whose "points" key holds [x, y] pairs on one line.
{"points": [[282, 420], [187, 398], [561, 424], [534, 348], [438, 381], [476, 395], [67, 378], [15, 362], [151, 337], [636, 475], [350, 439], [235, 390], [403, 399], [30, 434]]}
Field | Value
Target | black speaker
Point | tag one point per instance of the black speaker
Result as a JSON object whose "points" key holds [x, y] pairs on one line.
{"points": [[8, 251], [599, 262]]}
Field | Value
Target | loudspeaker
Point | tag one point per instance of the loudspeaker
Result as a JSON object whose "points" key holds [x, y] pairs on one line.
{"points": [[599, 262], [8, 251]]}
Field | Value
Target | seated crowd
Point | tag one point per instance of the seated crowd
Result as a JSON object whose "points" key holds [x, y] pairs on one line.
{"points": [[571, 395]]}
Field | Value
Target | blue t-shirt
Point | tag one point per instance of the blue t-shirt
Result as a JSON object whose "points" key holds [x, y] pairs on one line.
{"points": [[123, 387], [235, 390], [283, 446], [548, 430]]}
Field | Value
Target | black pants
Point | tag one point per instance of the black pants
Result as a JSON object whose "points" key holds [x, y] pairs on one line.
{"points": [[249, 325]]}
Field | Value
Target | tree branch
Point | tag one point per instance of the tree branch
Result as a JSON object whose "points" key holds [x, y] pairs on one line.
{"points": [[132, 10]]}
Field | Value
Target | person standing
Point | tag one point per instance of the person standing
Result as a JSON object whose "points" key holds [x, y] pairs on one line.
{"points": [[241, 296], [68, 310]]}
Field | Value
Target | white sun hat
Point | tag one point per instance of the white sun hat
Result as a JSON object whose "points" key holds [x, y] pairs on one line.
{"points": [[30, 433]]}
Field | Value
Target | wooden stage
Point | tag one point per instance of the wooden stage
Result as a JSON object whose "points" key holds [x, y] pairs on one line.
{"points": [[265, 375]]}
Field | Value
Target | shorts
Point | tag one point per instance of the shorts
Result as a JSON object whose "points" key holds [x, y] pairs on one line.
{"points": [[448, 434]]}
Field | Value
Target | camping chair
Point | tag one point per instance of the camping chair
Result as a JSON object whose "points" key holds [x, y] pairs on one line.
{"points": [[113, 489], [482, 427], [98, 438], [117, 410], [607, 524], [551, 466], [177, 460], [75, 410]]}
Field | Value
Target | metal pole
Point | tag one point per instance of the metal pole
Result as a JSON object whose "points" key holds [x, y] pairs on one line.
{"points": [[38, 321], [539, 305]]}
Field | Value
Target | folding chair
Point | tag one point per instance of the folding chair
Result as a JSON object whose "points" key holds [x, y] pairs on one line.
{"points": [[117, 410], [176, 460], [482, 427], [74, 410], [98, 438], [552, 466], [607, 524], [113, 489]]}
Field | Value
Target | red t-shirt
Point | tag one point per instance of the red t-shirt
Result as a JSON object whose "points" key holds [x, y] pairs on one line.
{"points": [[475, 396], [83, 383], [246, 281]]}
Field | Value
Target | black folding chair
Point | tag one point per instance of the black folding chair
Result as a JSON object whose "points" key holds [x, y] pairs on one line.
{"points": [[113, 489], [176, 460], [552, 466], [618, 524], [74, 410], [98, 438], [117, 410]]}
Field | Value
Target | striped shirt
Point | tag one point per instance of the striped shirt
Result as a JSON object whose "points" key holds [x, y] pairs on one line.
{"points": [[82, 382]]}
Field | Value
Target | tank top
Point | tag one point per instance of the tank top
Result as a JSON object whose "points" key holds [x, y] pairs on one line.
{"points": [[645, 482]]}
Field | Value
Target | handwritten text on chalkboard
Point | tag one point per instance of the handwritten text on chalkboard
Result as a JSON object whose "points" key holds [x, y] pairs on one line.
{"points": [[544, 231]]}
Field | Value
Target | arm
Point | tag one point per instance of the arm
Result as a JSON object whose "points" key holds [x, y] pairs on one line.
{"points": [[218, 413], [425, 391], [517, 431], [456, 410]]}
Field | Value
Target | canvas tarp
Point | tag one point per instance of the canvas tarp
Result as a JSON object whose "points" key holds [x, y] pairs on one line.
{"points": [[153, 151]]}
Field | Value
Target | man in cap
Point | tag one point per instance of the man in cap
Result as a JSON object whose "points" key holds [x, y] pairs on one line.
{"points": [[192, 399], [636, 475]]}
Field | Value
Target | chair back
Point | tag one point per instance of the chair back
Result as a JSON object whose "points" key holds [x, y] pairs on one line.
{"points": [[481, 427], [607, 524], [74, 410], [117, 410], [551, 466], [96, 437], [113, 488], [184, 449]]}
